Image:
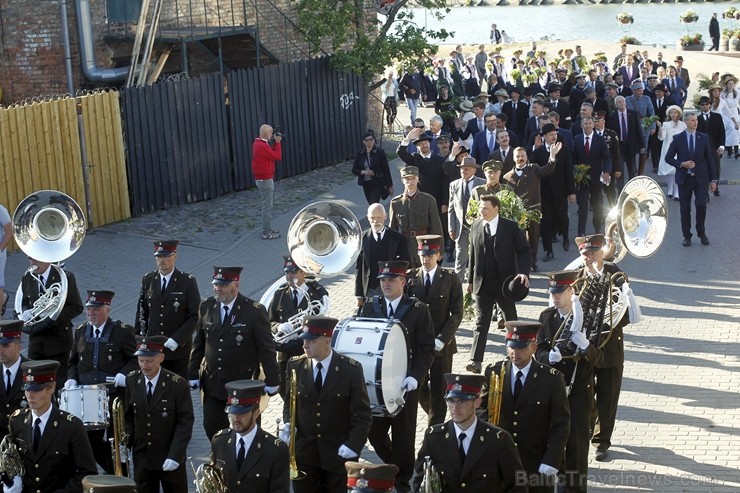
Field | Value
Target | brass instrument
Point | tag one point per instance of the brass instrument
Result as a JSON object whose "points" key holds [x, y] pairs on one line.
{"points": [[119, 442], [208, 478], [295, 474], [430, 482], [496, 395], [48, 226], [604, 305], [314, 307], [11, 462]]}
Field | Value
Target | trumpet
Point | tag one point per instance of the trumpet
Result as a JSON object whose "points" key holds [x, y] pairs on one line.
{"points": [[295, 474], [496, 395], [119, 443]]}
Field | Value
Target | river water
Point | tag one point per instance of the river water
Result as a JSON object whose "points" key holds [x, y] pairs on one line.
{"points": [[655, 24]]}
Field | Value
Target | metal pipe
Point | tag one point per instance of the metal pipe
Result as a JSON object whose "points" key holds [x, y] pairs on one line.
{"points": [[67, 50], [87, 51]]}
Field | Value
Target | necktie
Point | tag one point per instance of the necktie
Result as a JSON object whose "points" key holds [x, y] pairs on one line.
{"points": [[503, 155], [226, 315], [706, 117], [490, 141], [514, 106], [555, 105], [487, 230], [462, 438], [377, 237], [42, 285], [241, 454], [295, 298], [164, 284], [36, 434], [624, 126], [673, 85], [691, 143], [587, 147], [480, 125], [318, 382], [7, 383], [390, 311], [466, 192], [518, 385], [149, 391], [660, 103], [97, 333], [428, 283]]}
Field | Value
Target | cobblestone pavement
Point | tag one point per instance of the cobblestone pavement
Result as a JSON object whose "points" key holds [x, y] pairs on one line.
{"points": [[678, 420]]}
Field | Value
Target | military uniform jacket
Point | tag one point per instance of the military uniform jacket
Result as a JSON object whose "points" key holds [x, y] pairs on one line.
{"points": [[235, 351], [419, 331], [539, 421], [159, 429], [338, 415], [445, 303], [91, 360], [63, 457], [265, 468], [48, 336], [414, 217], [282, 308], [13, 400], [613, 351], [527, 186], [491, 464], [172, 314]]}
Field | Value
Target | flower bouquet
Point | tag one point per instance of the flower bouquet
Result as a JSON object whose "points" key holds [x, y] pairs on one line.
{"points": [[691, 40], [729, 13], [629, 40], [688, 17], [649, 120], [515, 75], [517, 53], [512, 207], [470, 312], [625, 18], [600, 56], [473, 211], [583, 175]]}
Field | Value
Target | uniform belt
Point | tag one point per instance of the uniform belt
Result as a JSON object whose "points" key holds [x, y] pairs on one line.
{"points": [[417, 232]]}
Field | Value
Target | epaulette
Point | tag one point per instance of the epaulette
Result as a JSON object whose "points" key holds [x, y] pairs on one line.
{"points": [[126, 326], [279, 443], [18, 412], [176, 378], [132, 373], [70, 417], [257, 304], [190, 276], [298, 358], [349, 360], [222, 432], [553, 371], [437, 428]]}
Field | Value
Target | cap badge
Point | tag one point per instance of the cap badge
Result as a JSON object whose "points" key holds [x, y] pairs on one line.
{"points": [[362, 483]]}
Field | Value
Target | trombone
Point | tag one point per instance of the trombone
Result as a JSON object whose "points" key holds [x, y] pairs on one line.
{"points": [[295, 474], [119, 442], [496, 394]]}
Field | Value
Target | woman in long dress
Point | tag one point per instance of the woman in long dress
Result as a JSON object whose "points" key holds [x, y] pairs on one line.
{"points": [[730, 95], [671, 127]]}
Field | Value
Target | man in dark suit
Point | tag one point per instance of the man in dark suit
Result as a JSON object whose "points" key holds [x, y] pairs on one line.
{"points": [[13, 398], [660, 104], [103, 348], [558, 104], [714, 32], [498, 251], [626, 124], [592, 150], [487, 458], [168, 306], [712, 124], [532, 125], [564, 133], [414, 314], [534, 406], [57, 455], [250, 459], [690, 153], [612, 141], [441, 290], [659, 62], [556, 191], [629, 70], [47, 338], [623, 87], [676, 85], [232, 340], [516, 111], [459, 230], [504, 151], [485, 142], [681, 71], [574, 354], [159, 420], [476, 124]]}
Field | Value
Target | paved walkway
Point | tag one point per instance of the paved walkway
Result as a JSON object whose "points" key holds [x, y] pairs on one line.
{"points": [[678, 423]]}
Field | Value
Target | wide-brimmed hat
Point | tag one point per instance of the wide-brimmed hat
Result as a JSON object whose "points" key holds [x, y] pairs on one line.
{"points": [[466, 106], [674, 107], [514, 290], [728, 76]]}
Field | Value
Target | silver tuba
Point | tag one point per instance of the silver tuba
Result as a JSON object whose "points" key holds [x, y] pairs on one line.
{"points": [[48, 226]]}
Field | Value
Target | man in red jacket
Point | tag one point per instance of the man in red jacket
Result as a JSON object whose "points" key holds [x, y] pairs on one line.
{"points": [[264, 156]]}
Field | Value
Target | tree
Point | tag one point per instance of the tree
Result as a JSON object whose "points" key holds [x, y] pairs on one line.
{"points": [[361, 43]]}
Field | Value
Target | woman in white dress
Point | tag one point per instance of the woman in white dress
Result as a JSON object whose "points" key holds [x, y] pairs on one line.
{"points": [[667, 130], [730, 95]]}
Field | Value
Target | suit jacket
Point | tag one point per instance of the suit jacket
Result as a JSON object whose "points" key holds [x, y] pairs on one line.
{"points": [[172, 314], [378, 164], [561, 182], [663, 108], [470, 129], [13, 400], [480, 146], [458, 204], [445, 303], [678, 151], [567, 137], [510, 247], [598, 157], [415, 217], [531, 127], [492, 463], [539, 420], [159, 428], [235, 351], [684, 74], [63, 457], [516, 119], [527, 186], [92, 361], [508, 161], [51, 337], [628, 77], [635, 140], [432, 178], [338, 415], [366, 268], [265, 468], [612, 142], [562, 108], [679, 94], [714, 128], [282, 308]]}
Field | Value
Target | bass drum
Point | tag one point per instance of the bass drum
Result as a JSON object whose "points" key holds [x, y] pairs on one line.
{"points": [[380, 346], [87, 402]]}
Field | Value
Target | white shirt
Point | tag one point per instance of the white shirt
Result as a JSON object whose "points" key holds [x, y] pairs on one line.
{"points": [[381, 233], [13, 371], [44, 276], [44, 418], [230, 305], [468, 435], [493, 225], [429, 273], [324, 366], [167, 278], [394, 304], [248, 439], [300, 291], [153, 380], [525, 372]]}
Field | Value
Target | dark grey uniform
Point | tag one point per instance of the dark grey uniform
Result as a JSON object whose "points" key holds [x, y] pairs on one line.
{"points": [[415, 216]]}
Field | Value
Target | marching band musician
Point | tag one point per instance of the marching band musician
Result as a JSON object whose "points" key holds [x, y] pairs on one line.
{"points": [[608, 372], [414, 315], [102, 348], [55, 450], [332, 417], [47, 338], [232, 339], [159, 420], [534, 406], [370, 478], [168, 306], [250, 459], [578, 371], [487, 458], [289, 299], [11, 391], [441, 290]]}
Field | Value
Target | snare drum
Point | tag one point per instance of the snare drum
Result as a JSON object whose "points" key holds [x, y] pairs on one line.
{"points": [[380, 346], [87, 402]]}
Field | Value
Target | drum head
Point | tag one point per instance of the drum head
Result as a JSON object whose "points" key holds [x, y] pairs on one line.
{"points": [[394, 367]]}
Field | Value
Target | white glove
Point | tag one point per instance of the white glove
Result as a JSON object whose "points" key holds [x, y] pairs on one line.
{"points": [[410, 384], [438, 345], [547, 470], [171, 344], [194, 384], [120, 380], [346, 453], [633, 307], [579, 339], [284, 434], [26, 315], [271, 390], [70, 384], [555, 355], [17, 486], [170, 465]]}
